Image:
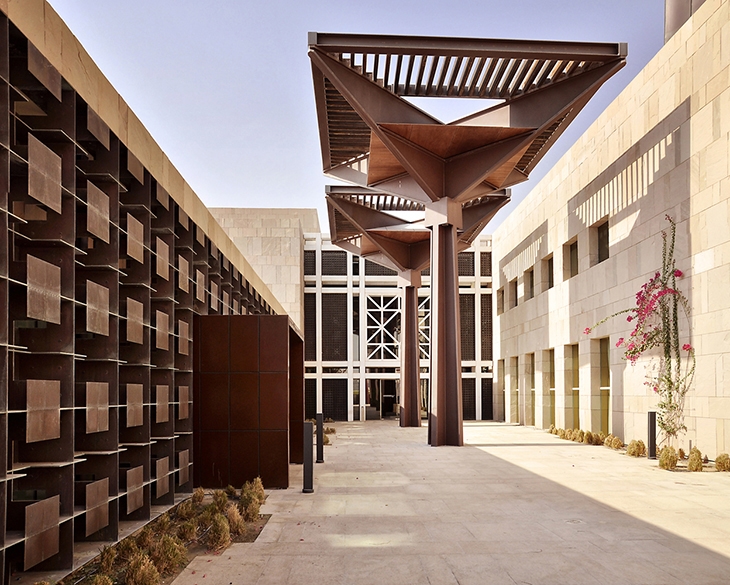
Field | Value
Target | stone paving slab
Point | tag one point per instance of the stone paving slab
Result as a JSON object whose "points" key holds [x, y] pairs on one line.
{"points": [[514, 506]]}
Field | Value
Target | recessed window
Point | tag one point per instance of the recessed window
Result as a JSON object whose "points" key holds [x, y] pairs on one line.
{"points": [[529, 284], [500, 301], [513, 293], [570, 260], [550, 269], [602, 233]]}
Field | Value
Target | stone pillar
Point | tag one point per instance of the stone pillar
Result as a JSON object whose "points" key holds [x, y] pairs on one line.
{"points": [[590, 384], [410, 409], [542, 391], [563, 381]]}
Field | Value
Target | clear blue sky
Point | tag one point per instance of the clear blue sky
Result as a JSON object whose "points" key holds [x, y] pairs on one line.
{"points": [[225, 86]]}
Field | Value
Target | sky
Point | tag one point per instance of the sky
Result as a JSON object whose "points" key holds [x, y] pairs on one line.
{"points": [[225, 86]]}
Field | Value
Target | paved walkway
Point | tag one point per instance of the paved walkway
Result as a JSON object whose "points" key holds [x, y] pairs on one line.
{"points": [[516, 506]]}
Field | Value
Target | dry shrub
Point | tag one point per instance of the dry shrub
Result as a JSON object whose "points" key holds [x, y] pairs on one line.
{"points": [[205, 518], [588, 438], [141, 571], [41, 583], [551, 430], [198, 495], [102, 580], [107, 556], [145, 538], [562, 434], [608, 440], [325, 440], [617, 443], [231, 492], [127, 549], [185, 510], [636, 449], [601, 438], [187, 530], [578, 436], [328, 419], [694, 463], [235, 520], [220, 500], [722, 462], [168, 553], [258, 489], [162, 524], [251, 512], [330, 430], [219, 536], [668, 458]]}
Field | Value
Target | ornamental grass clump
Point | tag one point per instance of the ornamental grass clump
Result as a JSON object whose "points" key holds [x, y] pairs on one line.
{"points": [[142, 571], [219, 536], [608, 441], [694, 463], [107, 556], [636, 449], [562, 433], [231, 491], [198, 495], [668, 458], [168, 553], [145, 538], [185, 510], [235, 520], [127, 549], [588, 438], [617, 443], [722, 462], [100, 579], [220, 500], [187, 530], [599, 438]]}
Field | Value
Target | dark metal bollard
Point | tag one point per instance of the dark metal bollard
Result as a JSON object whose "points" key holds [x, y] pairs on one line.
{"points": [[320, 438], [652, 435], [308, 476]]}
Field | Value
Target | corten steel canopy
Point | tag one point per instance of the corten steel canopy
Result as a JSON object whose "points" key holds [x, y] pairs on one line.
{"points": [[371, 136]]}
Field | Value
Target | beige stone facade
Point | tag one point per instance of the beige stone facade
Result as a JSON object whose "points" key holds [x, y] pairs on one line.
{"points": [[660, 148]]}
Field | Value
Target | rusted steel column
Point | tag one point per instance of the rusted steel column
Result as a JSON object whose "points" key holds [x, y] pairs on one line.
{"points": [[410, 411], [445, 416]]}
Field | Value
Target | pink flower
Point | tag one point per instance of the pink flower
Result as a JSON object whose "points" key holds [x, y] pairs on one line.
{"points": [[687, 347], [678, 273], [587, 331], [619, 342], [629, 318]]}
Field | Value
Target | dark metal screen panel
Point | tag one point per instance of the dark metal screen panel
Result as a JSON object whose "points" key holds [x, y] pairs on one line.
{"points": [[44, 72], [43, 295], [162, 469], [468, 330], [183, 410], [135, 166], [97, 308], [183, 276], [485, 261], [97, 213], [41, 531], [97, 505], [183, 459], [334, 263], [334, 399], [135, 321], [162, 266], [135, 238], [162, 402], [97, 127], [183, 342], [466, 263], [310, 398], [135, 489], [44, 174], [469, 398], [310, 327], [135, 405], [334, 327], [310, 263], [162, 330], [43, 402], [486, 301], [97, 407], [373, 269], [487, 397]]}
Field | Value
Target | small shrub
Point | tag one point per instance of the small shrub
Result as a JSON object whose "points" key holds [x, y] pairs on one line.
{"points": [[562, 434], [551, 430], [185, 510], [579, 436], [168, 553], [588, 438], [142, 571], [722, 462], [608, 441], [162, 524], [198, 495], [636, 449], [694, 463], [668, 458], [220, 500], [205, 518], [187, 530], [219, 536], [100, 579], [41, 583], [251, 512], [617, 443], [231, 492], [235, 520], [328, 419], [258, 490], [598, 438], [330, 430], [325, 440], [145, 538], [127, 549], [107, 556]]}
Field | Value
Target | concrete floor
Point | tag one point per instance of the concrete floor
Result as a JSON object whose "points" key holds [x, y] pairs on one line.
{"points": [[515, 506]]}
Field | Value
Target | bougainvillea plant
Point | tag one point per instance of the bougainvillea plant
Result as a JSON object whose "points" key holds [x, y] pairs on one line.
{"points": [[655, 318]]}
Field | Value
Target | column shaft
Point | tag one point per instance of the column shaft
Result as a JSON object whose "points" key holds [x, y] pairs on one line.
{"points": [[410, 412]]}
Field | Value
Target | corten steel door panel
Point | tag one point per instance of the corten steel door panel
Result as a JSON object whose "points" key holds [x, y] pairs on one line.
{"points": [[97, 213], [274, 392], [162, 402], [274, 344], [274, 458], [97, 407], [213, 404], [162, 483], [41, 531], [183, 411], [97, 505], [214, 344], [245, 343], [183, 461], [135, 408], [244, 464], [44, 72], [97, 127], [44, 174], [43, 401], [97, 308], [162, 265], [212, 460], [183, 277], [44, 290], [135, 489], [244, 392], [135, 321], [162, 330], [135, 238]]}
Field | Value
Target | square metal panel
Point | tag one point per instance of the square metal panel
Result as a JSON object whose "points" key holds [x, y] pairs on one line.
{"points": [[162, 400], [199, 285], [162, 330], [183, 458], [97, 407], [97, 505], [135, 238], [182, 218], [183, 411], [183, 332], [214, 295], [163, 259], [44, 72], [44, 290], [97, 127], [135, 166], [183, 277], [44, 174], [43, 402], [97, 212], [97, 308], [41, 531], [135, 321], [163, 196], [226, 300], [162, 468], [135, 489], [135, 399]]}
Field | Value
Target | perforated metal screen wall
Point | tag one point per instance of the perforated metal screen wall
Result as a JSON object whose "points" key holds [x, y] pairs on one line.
{"points": [[468, 345], [486, 301], [334, 327], [469, 398]]}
